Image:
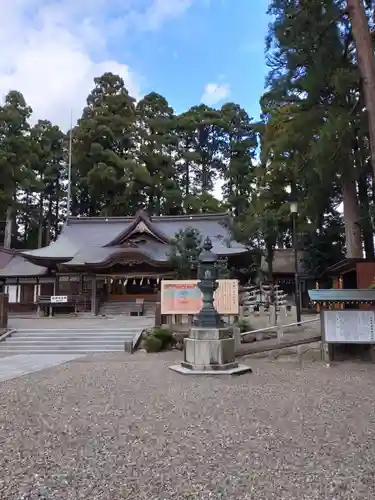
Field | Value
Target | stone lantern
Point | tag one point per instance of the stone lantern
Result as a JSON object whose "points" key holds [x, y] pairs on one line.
{"points": [[210, 348], [207, 284]]}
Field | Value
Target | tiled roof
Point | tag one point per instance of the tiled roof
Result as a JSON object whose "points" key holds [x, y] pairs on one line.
{"points": [[92, 240], [6, 256], [19, 266], [342, 295]]}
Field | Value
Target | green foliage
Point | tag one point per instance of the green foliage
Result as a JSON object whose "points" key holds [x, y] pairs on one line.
{"points": [[184, 253], [159, 339], [165, 336], [124, 156], [14, 158], [314, 149], [155, 130], [324, 249], [239, 152], [153, 344], [185, 249], [106, 172], [244, 325], [314, 133]]}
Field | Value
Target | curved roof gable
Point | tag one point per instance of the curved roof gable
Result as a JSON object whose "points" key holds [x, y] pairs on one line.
{"points": [[86, 240], [60, 251], [141, 224]]}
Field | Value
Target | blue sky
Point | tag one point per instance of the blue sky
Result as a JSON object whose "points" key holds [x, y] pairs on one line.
{"points": [[216, 43], [186, 50]]}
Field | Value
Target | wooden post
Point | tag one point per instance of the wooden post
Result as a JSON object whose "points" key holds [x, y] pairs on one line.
{"points": [[93, 296], [3, 312], [36, 297], [17, 291], [341, 282], [317, 288]]}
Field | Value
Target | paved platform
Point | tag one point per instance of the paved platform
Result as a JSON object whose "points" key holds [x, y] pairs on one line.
{"points": [[22, 364]]}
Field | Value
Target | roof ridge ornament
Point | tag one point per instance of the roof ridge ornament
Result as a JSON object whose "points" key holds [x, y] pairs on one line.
{"points": [[207, 245]]}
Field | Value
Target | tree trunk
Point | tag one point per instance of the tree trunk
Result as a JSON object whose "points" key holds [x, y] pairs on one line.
{"points": [[40, 222], [366, 63], [57, 210], [363, 195], [270, 256], [351, 218], [8, 227], [26, 221], [49, 221], [366, 226], [187, 179]]}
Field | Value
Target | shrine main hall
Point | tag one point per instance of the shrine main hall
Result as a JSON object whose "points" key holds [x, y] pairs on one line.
{"points": [[96, 261]]}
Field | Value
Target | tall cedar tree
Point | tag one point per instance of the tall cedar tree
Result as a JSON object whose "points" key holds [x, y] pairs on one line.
{"points": [[105, 170], [14, 158], [313, 118], [157, 145]]}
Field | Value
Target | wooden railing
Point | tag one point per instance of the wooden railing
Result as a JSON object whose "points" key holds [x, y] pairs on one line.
{"points": [[279, 328]]}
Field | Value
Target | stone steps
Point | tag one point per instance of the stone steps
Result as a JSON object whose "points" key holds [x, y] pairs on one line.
{"points": [[117, 308], [75, 341]]}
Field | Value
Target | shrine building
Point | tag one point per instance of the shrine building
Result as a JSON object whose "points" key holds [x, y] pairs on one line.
{"points": [[97, 261]]}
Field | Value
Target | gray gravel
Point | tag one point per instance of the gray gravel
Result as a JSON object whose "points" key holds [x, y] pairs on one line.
{"points": [[119, 427]]}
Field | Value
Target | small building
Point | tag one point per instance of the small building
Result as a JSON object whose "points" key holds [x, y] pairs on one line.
{"points": [[350, 273], [283, 271], [98, 260]]}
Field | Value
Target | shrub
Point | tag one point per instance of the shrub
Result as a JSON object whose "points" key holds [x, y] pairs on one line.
{"points": [[165, 336], [153, 344], [244, 325]]}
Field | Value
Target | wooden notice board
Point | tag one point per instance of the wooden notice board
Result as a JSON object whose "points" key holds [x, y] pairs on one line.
{"points": [[184, 297], [349, 327]]}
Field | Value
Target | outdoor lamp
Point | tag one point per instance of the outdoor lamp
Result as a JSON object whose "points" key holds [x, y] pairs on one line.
{"points": [[293, 207]]}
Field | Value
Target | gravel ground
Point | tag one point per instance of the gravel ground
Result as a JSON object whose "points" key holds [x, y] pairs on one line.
{"points": [[111, 428]]}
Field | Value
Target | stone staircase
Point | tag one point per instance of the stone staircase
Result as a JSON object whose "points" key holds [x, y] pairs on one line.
{"points": [[124, 308], [70, 340]]}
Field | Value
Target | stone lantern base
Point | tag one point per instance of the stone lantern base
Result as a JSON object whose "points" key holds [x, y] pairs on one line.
{"points": [[210, 351]]}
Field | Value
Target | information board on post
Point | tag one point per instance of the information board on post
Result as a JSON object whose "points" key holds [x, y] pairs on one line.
{"points": [[59, 299], [349, 326], [184, 297]]}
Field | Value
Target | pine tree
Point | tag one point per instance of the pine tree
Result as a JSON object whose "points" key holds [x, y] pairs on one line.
{"points": [[47, 163], [105, 169], [312, 111], [157, 152], [239, 149], [14, 158]]}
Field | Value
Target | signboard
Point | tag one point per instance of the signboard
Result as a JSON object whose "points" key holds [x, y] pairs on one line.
{"points": [[59, 299], [349, 327], [184, 297]]}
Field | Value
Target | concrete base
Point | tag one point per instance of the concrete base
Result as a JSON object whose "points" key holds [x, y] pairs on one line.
{"points": [[210, 351], [209, 348], [238, 370]]}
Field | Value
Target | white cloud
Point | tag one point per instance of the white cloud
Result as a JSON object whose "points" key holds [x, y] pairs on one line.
{"points": [[52, 49], [214, 93]]}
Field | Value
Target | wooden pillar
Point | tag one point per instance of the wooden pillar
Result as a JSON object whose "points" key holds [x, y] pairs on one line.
{"points": [[37, 294], [17, 290], [341, 286], [93, 296], [317, 288]]}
